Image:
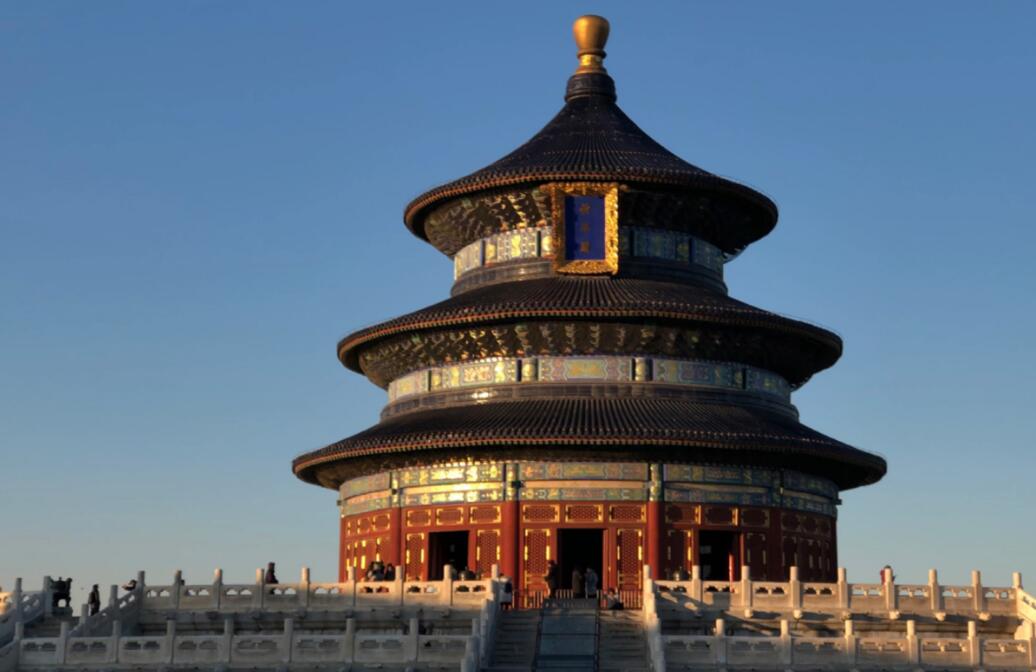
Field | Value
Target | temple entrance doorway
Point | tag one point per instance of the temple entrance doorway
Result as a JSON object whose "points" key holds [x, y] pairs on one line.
{"points": [[446, 547], [718, 555], [580, 548]]}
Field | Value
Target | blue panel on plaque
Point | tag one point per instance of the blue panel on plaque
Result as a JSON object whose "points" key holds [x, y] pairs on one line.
{"points": [[584, 227]]}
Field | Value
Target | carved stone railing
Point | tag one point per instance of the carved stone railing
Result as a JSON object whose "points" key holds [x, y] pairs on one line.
{"points": [[351, 594], [23, 607], [652, 625], [849, 651], [99, 639], [844, 598]]}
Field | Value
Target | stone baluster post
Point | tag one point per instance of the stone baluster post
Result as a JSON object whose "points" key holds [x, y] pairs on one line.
{"points": [[494, 571], [411, 644], [228, 639], [286, 639], [850, 644], [1028, 633], [113, 596], [62, 643], [260, 589], [696, 590], [888, 590], [978, 594], [115, 645], [844, 591], [397, 586], [217, 588], [170, 639], [446, 587], [785, 645], [17, 597], [795, 592], [746, 590], [913, 644], [48, 596], [974, 646], [349, 640], [304, 587], [174, 590], [84, 616], [140, 581], [935, 602], [719, 640], [350, 577]]}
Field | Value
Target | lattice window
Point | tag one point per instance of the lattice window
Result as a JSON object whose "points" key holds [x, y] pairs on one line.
{"points": [[755, 517], [484, 514], [720, 515], [414, 557], [630, 558], [540, 513], [627, 514], [583, 513], [418, 518], [449, 516], [755, 554], [789, 552], [536, 550], [487, 551]]}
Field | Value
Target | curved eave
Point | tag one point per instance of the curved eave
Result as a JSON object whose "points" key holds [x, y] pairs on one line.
{"points": [[727, 434], [575, 298], [416, 210]]}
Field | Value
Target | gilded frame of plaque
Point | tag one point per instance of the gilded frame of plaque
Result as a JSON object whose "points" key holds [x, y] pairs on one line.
{"points": [[609, 191]]}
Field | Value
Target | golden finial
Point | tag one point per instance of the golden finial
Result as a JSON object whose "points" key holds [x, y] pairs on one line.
{"points": [[591, 33]]}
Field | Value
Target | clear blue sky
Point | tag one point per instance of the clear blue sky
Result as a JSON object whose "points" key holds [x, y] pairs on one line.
{"points": [[198, 199]]}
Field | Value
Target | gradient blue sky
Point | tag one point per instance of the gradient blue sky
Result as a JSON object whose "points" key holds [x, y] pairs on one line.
{"points": [[197, 199]]}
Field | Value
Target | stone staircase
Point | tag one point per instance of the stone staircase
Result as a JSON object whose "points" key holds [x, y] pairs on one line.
{"points": [[50, 626], [621, 644], [568, 640], [516, 641]]}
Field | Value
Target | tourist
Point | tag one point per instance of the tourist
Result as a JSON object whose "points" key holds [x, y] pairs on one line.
{"points": [[390, 572], [680, 574], [506, 592], [93, 600], [271, 575], [591, 582], [612, 600], [466, 574], [577, 583], [130, 585], [551, 578]]}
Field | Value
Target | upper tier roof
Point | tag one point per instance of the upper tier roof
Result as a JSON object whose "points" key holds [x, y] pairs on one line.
{"points": [[591, 139]]}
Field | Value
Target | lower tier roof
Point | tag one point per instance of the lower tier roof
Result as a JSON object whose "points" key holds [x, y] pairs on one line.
{"points": [[606, 428]]}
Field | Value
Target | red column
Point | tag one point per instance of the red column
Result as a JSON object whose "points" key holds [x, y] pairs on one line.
{"points": [[509, 544], [341, 549], [395, 549], [655, 539]]}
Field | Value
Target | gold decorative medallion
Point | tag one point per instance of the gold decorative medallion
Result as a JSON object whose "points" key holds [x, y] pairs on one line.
{"points": [[586, 227]]}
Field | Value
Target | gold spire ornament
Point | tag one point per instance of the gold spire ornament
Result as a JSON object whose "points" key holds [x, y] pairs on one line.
{"points": [[591, 34]]}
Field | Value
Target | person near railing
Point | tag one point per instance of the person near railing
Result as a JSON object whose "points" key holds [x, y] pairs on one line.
{"points": [[680, 574], [271, 574], [130, 585], [466, 574], [93, 600], [612, 600], [390, 572], [506, 592], [578, 587], [591, 581], [551, 579]]}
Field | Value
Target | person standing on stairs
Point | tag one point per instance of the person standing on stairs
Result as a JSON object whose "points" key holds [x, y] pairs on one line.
{"points": [[93, 600], [591, 583]]}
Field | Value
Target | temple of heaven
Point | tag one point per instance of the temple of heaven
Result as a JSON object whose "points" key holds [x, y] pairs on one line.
{"points": [[590, 394]]}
